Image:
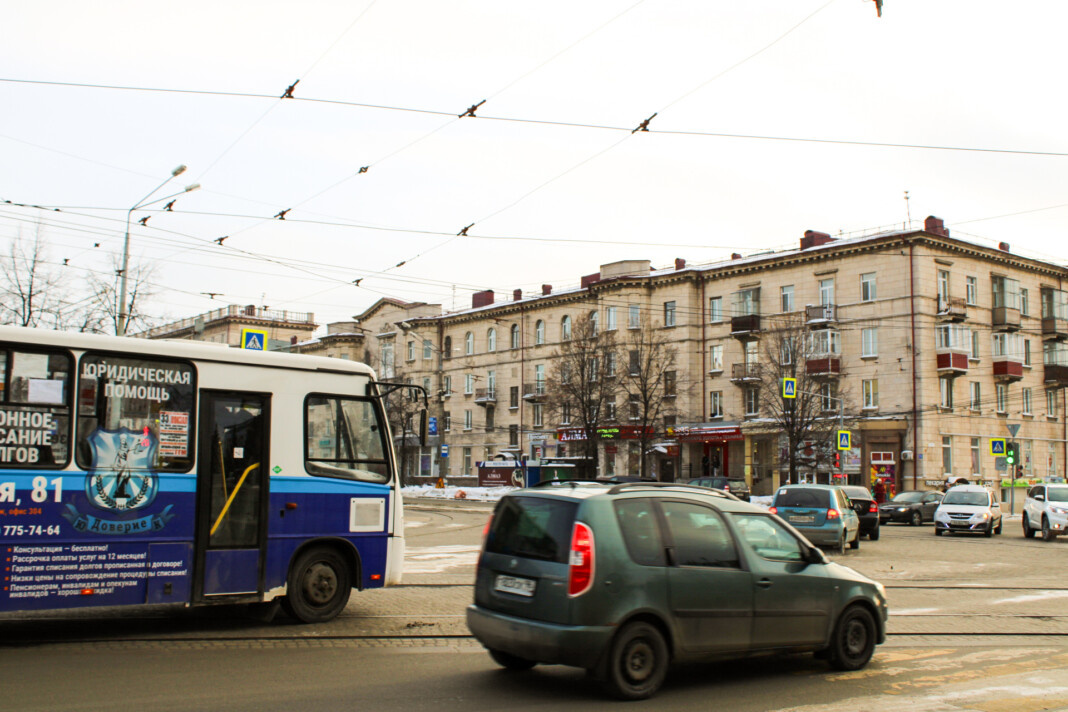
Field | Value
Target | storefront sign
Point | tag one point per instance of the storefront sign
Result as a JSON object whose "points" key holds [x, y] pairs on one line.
{"points": [[705, 434], [622, 432]]}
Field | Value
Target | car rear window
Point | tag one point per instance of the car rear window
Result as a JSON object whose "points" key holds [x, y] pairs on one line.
{"points": [[801, 497], [857, 493], [533, 528]]}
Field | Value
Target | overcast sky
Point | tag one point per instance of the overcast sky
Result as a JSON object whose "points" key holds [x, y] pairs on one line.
{"points": [[547, 174]]}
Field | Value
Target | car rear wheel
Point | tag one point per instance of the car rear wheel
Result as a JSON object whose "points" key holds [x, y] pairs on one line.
{"points": [[916, 519], [1047, 533], [636, 662], [1029, 532], [853, 640], [840, 547], [509, 661], [873, 535], [855, 544], [938, 532]]}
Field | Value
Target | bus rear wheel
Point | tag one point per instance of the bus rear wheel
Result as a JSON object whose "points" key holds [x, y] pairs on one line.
{"points": [[319, 586]]}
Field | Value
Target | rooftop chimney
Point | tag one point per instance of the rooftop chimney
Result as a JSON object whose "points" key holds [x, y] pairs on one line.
{"points": [[517, 294], [546, 289], [590, 279], [935, 226], [680, 263], [736, 256], [815, 239], [482, 299], [292, 340], [1003, 246]]}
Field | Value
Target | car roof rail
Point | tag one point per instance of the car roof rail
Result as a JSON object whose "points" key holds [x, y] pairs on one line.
{"points": [[569, 483], [626, 486]]}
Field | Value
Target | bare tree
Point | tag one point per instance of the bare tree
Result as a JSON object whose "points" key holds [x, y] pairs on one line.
{"points": [[650, 384], [578, 389], [32, 286], [139, 292], [808, 421]]}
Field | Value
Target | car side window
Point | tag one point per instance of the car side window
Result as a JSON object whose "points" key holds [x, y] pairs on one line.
{"points": [[641, 534], [768, 537], [699, 535], [930, 498]]}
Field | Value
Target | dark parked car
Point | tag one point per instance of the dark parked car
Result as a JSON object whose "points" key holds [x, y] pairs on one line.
{"points": [[867, 509], [733, 485], [624, 579], [912, 508]]}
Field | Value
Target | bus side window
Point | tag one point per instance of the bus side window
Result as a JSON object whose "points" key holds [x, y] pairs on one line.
{"points": [[35, 389], [343, 439]]}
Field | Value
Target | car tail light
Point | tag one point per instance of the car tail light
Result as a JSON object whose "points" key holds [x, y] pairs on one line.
{"points": [[833, 514], [873, 508], [773, 510], [485, 531], [580, 569]]}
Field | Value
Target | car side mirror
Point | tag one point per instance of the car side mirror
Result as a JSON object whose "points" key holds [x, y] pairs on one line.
{"points": [[1040, 498], [816, 556]]}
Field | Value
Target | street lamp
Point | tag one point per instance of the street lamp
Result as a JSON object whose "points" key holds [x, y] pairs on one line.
{"points": [[120, 326]]}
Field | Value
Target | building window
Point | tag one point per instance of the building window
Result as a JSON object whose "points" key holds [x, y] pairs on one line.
{"points": [[971, 290], [610, 364], [943, 289], [610, 319], [1051, 403], [824, 342], [747, 302], [428, 349], [669, 384], [1002, 391], [635, 367], [634, 316], [871, 393], [1024, 306], [975, 346], [1027, 401], [947, 454], [715, 358], [469, 383], [715, 309], [513, 397], [565, 413], [411, 350], [669, 313], [828, 396], [515, 336], [867, 287], [786, 294], [752, 401], [974, 395], [446, 421], [491, 384], [538, 415], [539, 332], [565, 328], [1051, 460], [513, 436], [716, 404], [386, 354], [1006, 292], [593, 323], [491, 340], [975, 456], [609, 465], [610, 408], [827, 292], [467, 461], [446, 385], [635, 405], [945, 389], [426, 386], [1027, 352], [539, 379], [469, 420], [489, 418], [469, 343], [786, 352], [869, 341], [448, 347], [594, 365]]}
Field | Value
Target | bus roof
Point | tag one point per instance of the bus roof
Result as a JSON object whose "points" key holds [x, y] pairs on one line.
{"points": [[178, 348]]}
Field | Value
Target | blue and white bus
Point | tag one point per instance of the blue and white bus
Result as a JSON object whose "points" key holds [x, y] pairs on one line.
{"points": [[177, 472]]}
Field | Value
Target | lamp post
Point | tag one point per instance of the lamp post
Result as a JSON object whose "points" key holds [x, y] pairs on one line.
{"points": [[121, 323]]}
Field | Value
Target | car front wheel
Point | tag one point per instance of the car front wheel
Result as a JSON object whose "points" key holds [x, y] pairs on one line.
{"points": [[1047, 532], [1029, 532], [916, 519], [853, 641], [636, 662], [319, 586]]}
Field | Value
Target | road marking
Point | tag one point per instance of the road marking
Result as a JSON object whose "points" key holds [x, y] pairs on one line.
{"points": [[1040, 596], [437, 559]]}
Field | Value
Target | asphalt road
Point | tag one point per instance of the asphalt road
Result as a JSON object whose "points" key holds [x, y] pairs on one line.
{"points": [[976, 624]]}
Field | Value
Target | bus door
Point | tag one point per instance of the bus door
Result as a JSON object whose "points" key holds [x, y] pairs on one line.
{"points": [[232, 496]]}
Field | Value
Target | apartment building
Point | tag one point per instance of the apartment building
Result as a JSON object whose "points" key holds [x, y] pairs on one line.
{"points": [[940, 344], [225, 326]]}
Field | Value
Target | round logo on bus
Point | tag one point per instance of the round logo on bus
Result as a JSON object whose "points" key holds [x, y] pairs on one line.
{"points": [[120, 480]]}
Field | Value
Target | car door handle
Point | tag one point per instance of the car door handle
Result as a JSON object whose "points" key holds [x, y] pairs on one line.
{"points": [[764, 583]]}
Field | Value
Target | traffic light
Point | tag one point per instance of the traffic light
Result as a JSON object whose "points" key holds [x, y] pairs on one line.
{"points": [[1010, 454], [837, 460]]}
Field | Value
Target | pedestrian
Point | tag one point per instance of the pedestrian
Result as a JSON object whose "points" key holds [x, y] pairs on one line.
{"points": [[880, 490]]}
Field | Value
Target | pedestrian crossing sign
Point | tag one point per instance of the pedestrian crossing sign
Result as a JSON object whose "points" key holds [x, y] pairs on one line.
{"points": [[254, 339], [845, 439], [789, 388], [997, 447]]}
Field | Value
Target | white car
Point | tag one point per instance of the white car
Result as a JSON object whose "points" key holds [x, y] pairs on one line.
{"points": [[969, 509], [1046, 510]]}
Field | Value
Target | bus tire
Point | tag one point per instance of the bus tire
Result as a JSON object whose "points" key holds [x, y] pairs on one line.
{"points": [[319, 586]]}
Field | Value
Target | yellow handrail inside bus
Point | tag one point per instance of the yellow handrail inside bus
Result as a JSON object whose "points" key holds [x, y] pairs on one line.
{"points": [[230, 500], [222, 467]]}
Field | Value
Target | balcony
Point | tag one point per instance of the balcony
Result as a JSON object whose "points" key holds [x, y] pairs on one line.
{"points": [[1007, 368], [746, 326], [1056, 375], [952, 362], [535, 392], [1005, 318], [1054, 327], [1055, 362], [745, 372], [952, 308], [829, 365], [484, 396], [821, 314]]}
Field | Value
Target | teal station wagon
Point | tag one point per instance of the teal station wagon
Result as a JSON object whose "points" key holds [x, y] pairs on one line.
{"points": [[622, 580]]}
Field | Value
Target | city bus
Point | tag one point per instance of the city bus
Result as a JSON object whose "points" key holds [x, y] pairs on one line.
{"points": [[138, 472]]}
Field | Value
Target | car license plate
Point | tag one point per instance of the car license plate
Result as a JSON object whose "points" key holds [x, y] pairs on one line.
{"points": [[518, 586], [802, 519]]}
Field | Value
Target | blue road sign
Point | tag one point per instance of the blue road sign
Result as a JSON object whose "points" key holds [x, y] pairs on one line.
{"points": [[254, 339], [997, 447], [845, 440], [444, 450], [789, 388], [432, 426]]}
